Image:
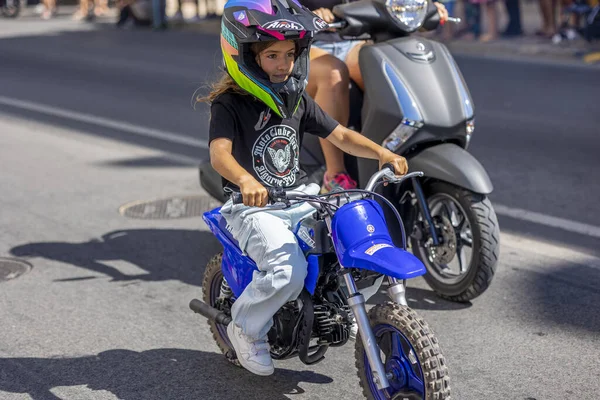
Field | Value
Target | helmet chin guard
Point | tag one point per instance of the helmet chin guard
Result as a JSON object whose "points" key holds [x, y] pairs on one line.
{"points": [[245, 22]]}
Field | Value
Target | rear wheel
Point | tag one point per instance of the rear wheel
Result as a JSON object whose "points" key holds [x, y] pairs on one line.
{"points": [[217, 294]]}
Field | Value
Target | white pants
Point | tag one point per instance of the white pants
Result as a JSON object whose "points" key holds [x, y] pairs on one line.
{"points": [[266, 237]]}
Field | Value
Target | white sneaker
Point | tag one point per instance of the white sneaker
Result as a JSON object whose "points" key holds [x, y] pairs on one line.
{"points": [[253, 355], [571, 34]]}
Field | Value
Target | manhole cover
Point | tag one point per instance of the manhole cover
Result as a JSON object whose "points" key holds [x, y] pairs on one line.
{"points": [[11, 268], [174, 207]]}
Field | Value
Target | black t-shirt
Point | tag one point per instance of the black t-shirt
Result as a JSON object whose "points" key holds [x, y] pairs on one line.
{"points": [[264, 144]]}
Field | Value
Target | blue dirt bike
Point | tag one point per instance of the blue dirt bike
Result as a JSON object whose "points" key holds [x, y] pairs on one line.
{"points": [[347, 245]]}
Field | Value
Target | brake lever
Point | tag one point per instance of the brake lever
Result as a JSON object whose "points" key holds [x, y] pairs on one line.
{"points": [[391, 177]]}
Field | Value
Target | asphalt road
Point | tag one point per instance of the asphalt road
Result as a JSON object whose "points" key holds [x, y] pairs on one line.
{"points": [[92, 118]]}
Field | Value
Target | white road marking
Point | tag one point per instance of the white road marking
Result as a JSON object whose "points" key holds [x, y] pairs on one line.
{"points": [[545, 249], [548, 220], [104, 122]]}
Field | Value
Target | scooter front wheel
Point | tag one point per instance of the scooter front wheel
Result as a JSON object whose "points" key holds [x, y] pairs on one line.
{"points": [[463, 265], [411, 355]]}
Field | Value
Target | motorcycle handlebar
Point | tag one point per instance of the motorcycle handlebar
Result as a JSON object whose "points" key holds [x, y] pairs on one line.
{"points": [[337, 25], [275, 195], [280, 194]]}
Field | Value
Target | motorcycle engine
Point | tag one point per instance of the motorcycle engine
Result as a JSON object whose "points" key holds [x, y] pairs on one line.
{"points": [[333, 319], [284, 332]]}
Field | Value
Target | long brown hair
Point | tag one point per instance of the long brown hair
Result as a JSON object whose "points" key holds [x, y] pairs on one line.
{"points": [[227, 84]]}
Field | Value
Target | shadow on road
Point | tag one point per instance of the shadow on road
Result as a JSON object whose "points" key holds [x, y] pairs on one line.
{"points": [[145, 162], [165, 253], [420, 299], [152, 374], [567, 295]]}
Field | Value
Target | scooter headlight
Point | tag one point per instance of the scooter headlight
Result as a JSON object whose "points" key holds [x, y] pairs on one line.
{"points": [[410, 13], [401, 134], [470, 129]]}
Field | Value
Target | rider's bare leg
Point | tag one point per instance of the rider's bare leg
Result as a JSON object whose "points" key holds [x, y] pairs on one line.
{"points": [[353, 67], [328, 85]]}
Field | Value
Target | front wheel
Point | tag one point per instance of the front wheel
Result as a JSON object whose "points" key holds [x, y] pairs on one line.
{"points": [[462, 266], [410, 353]]}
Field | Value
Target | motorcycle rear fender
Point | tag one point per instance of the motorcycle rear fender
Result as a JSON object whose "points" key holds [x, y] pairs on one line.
{"points": [[362, 241], [211, 181], [450, 163], [238, 268]]}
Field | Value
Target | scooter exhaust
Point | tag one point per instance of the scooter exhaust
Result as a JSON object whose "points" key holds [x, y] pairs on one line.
{"points": [[209, 312]]}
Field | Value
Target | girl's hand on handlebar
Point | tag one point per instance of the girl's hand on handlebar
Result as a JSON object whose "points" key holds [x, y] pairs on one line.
{"points": [[253, 193], [399, 162], [325, 14], [442, 12]]}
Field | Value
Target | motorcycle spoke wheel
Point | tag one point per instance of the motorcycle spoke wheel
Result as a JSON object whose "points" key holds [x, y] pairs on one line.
{"points": [[412, 359], [211, 288]]}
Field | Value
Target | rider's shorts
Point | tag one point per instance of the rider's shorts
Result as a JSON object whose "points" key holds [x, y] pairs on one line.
{"points": [[338, 49]]}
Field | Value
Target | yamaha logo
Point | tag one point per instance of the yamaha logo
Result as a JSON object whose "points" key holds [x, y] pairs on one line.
{"points": [[370, 228], [420, 46], [283, 25]]}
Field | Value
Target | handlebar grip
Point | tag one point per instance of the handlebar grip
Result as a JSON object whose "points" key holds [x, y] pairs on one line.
{"points": [[388, 165], [339, 24], [275, 194], [236, 198]]}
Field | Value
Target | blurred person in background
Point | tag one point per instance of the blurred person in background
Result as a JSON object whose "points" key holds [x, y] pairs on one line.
{"points": [[548, 9], [333, 62], [159, 15], [50, 9], [100, 7], [178, 16], [570, 19], [447, 30], [134, 13], [491, 15], [513, 28], [88, 9], [83, 12], [472, 29], [210, 7]]}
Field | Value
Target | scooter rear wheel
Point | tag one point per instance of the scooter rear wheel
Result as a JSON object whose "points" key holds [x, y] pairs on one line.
{"points": [[411, 355]]}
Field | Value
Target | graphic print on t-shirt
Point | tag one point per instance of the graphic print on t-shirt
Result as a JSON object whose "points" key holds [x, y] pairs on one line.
{"points": [[275, 155]]}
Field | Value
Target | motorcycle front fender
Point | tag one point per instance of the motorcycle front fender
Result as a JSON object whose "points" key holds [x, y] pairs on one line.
{"points": [[451, 163], [362, 240]]}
